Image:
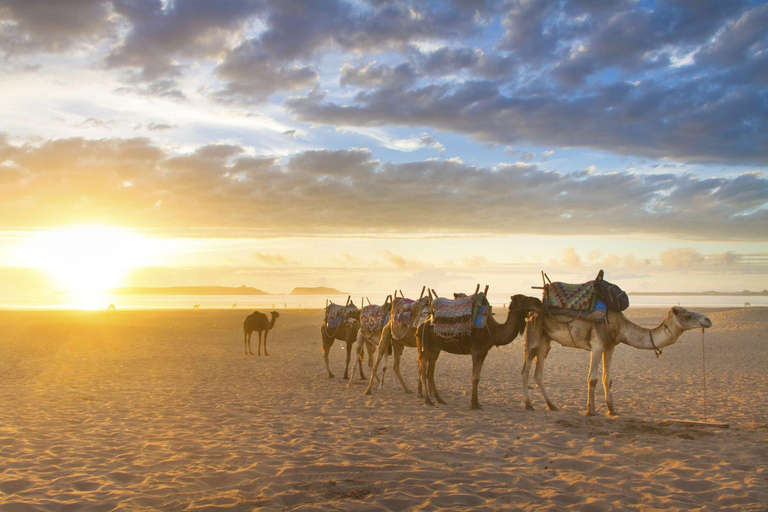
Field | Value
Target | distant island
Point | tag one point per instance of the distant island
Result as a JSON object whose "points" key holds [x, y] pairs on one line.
{"points": [[190, 290], [744, 293], [316, 290]]}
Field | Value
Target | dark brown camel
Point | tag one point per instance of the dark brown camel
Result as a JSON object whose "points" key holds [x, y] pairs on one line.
{"points": [[258, 322], [346, 331], [477, 343]]}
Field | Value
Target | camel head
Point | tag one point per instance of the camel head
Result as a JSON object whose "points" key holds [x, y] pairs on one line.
{"points": [[685, 320], [523, 302], [353, 312], [419, 311], [520, 306], [275, 314]]}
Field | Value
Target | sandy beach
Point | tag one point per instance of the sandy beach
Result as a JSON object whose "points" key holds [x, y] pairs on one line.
{"points": [[161, 410]]}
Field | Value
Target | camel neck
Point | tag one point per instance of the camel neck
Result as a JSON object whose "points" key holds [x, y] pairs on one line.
{"points": [[504, 334], [663, 335]]}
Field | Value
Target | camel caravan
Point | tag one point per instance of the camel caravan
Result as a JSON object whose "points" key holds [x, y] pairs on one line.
{"points": [[587, 316]]}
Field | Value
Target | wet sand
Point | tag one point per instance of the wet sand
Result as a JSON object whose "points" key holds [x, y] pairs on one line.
{"points": [[161, 410]]}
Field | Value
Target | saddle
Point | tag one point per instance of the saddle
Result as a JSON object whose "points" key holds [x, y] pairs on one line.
{"points": [[373, 318], [459, 316], [590, 300], [402, 318], [336, 313]]}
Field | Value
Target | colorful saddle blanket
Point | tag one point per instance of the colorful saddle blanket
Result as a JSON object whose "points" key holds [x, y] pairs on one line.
{"points": [[578, 297], [402, 317], [373, 318], [335, 314], [402, 313], [458, 316]]}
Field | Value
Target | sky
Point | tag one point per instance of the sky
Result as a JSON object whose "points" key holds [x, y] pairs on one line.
{"points": [[372, 144]]}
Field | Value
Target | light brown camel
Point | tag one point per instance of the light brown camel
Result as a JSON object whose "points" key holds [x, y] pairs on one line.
{"points": [[600, 338], [477, 343], [345, 331], [258, 322], [372, 320], [398, 338]]}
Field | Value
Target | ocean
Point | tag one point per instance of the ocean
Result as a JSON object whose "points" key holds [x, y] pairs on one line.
{"points": [[278, 302]]}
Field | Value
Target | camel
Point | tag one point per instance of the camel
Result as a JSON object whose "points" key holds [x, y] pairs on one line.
{"points": [[395, 337], [258, 322], [346, 331], [477, 343], [600, 338], [368, 335]]}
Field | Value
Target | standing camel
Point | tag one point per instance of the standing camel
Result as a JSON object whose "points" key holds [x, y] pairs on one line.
{"points": [[600, 338], [346, 331], [399, 336], [372, 320], [476, 342], [258, 322]]}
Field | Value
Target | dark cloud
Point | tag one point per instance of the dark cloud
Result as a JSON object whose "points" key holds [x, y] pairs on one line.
{"points": [[133, 182], [251, 75], [373, 75], [29, 26], [185, 29], [692, 122], [677, 79]]}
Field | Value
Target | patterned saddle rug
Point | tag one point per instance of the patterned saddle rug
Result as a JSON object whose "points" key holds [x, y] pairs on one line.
{"points": [[402, 313], [335, 313], [402, 318], [458, 316], [373, 318], [578, 297]]}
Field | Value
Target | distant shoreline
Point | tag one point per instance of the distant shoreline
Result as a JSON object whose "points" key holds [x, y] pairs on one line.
{"points": [[316, 290], [704, 294], [189, 290]]}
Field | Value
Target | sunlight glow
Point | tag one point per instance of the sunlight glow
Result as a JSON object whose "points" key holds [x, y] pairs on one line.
{"points": [[88, 261]]}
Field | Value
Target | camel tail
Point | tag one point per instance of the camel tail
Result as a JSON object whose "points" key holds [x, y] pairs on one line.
{"points": [[421, 342]]}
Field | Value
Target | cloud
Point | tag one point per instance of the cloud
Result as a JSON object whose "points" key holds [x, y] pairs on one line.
{"points": [[251, 76], [571, 259], [160, 35], [51, 25], [222, 186], [273, 260], [681, 258], [401, 262]]}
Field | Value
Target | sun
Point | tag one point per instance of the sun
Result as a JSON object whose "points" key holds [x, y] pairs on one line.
{"points": [[88, 261]]}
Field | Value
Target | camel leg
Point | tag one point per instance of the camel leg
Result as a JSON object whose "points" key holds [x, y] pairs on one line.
{"points": [[259, 350], [356, 350], [526, 375], [594, 361], [370, 347], [386, 339], [431, 377], [425, 358], [360, 355], [477, 366], [608, 380], [538, 374], [397, 352], [247, 343], [327, 344], [265, 342], [349, 356], [384, 371]]}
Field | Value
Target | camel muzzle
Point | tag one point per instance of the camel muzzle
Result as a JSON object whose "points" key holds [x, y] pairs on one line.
{"points": [[706, 323]]}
